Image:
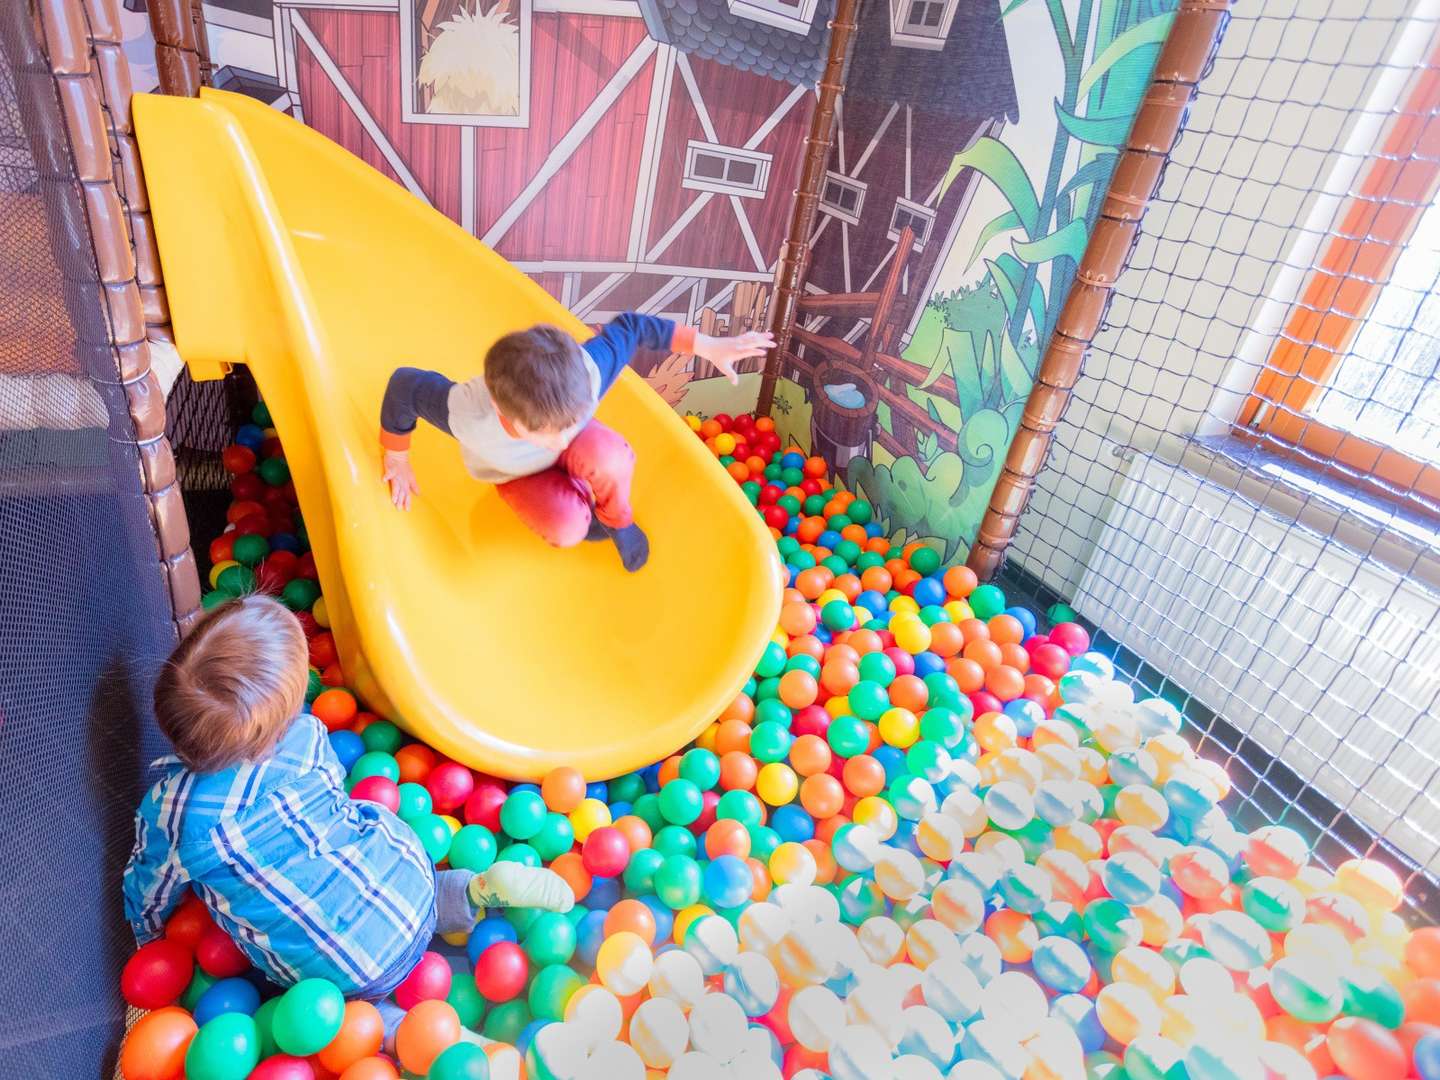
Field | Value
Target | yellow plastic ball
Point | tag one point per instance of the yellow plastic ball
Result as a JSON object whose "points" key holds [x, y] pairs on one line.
{"points": [[693, 422], [1080, 839], [725, 443], [321, 612], [780, 638], [899, 728], [706, 739], [1126, 1012], [1146, 969], [776, 784], [624, 963], [453, 824], [839, 705], [1372, 883], [686, 917], [927, 940], [995, 731], [792, 864], [904, 605], [590, 815], [1142, 806], [458, 939], [911, 635], [959, 611], [831, 595], [878, 814]]}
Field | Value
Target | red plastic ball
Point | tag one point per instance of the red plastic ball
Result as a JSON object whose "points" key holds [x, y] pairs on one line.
{"points": [[483, 805], [770, 494], [429, 980], [777, 517], [984, 702], [305, 567], [605, 852], [811, 720], [709, 800], [449, 784], [283, 1067], [157, 974], [1071, 637], [307, 623], [322, 650], [253, 525], [501, 971], [222, 548], [1049, 660], [247, 485], [378, 789], [189, 922], [237, 458], [217, 955]]}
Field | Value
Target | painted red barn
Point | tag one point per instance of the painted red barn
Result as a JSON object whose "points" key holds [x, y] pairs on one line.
{"points": [[595, 145]]}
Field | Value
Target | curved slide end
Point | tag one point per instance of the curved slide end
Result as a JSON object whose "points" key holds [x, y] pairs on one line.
{"points": [[284, 252]]}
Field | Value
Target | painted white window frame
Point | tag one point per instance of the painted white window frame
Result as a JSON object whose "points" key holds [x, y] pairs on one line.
{"points": [[834, 210], [695, 147], [910, 37], [914, 209], [780, 16], [524, 9]]}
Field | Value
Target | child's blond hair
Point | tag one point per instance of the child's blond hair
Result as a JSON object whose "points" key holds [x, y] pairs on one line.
{"points": [[231, 688], [539, 377]]}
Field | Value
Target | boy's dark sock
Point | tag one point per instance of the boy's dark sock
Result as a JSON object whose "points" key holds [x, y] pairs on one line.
{"points": [[631, 542], [597, 531]]}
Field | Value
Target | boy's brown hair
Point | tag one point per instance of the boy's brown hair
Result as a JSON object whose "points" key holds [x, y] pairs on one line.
{"points": [[539, 378], [231, 688]]}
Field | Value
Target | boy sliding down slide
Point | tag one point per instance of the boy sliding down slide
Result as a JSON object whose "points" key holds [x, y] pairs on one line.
{"points": [[526, 424]]}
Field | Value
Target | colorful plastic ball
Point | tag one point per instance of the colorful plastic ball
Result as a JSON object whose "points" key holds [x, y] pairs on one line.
{"points": [[426, 1032], [776, 784], [310, 1014], [753, 982], [155, 1047], [435, 835], [677, 881], [605, 852], [1363, 1050], [501, 971], [551, 990], [770, 741], [727, 881], [562, 788], [659, 1032], [157, 974], [590, 815], [701, 768], [680, 802], [848, 735], [226, 1048], [463, 1061], [226, 996], [522, 814], [624, 963], [1127, 1012]]}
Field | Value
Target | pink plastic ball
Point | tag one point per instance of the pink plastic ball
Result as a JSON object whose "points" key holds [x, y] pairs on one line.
{"points": [[811, 720], [1071, 637], [450, 784], [1050, 660], [483, 805], [605, 852], [283, 1067], [903, 661], [378, 789], [428, 981]]}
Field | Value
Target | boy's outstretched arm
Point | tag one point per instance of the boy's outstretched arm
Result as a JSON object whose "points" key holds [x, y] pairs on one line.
{"points": [[155, 882], [411, 395], [616, 344]]}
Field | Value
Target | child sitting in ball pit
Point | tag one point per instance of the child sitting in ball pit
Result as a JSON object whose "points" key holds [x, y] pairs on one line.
{"points": [[527, 424], [252, 814]]}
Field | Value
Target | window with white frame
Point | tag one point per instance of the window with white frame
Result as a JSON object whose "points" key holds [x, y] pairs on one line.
{"points": [[795, 16], [726, 170], [465, 64], [842, 197], [919, 218], [921, 24]]}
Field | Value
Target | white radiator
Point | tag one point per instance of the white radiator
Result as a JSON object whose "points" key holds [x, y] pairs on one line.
{"points": [[1326, 658]]}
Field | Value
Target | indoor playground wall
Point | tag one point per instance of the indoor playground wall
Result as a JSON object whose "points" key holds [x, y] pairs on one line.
{"points": [[1001, 174]]}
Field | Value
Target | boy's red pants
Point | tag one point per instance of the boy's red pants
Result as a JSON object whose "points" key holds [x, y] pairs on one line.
{"points": [[595, 469]]}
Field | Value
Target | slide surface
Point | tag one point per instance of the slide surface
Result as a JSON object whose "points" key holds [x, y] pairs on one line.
{"points": [[286, 253]]}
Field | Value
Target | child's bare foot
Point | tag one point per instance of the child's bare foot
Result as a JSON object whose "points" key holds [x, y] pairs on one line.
{"points": [[631, 542]]}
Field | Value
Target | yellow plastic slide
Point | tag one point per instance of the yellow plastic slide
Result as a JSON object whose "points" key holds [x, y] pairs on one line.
{"points": [[286, 253]]}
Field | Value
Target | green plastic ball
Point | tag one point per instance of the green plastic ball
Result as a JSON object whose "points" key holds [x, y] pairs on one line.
{"points": [[1274, 903], [265, 1027], [803, 662], [675, 840], [199, 983], [868, 700], [313, 686], [214, 598], [308, 1017], [677, 882], [260, 415], [639, 876], [250, 549], [763, 841], [925, 560], [800, 560], [838, 615], [943, 726], [792, 477], [1058, 613], [627, 788], [236, 581], [466, 999], [848, 736], [300, 594], [226, 1048], [1111, 926], [1371, 996], [767, 690], [415, 800], [473, 848], [740, 806], [274, 471], [945, 693], [375, 763], [849, 551], [877, 668], [556, 836], [701, 768], [813, 506], [789, 503], [550, 939], [770, 741], [551, 990], [462, 1061], [836, 522], [772, 661], [787, 544], [860, 512], [382, 735], [680, 802], [522, 813], [752, 492], [928, 760], [522, 918], [987, 601], [869, 560], [773, 711], [647, 809], [835, 564], [505, 1022], [435, 836], [518, 852]]}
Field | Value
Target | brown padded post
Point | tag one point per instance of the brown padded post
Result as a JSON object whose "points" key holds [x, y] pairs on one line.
{"points": [[1187, 52], [92, 79]]}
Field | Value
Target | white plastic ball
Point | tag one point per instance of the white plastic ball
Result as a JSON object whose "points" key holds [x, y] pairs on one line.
{"points": [[951, 989], [595, 1014], [677, 977], [913, 1067], [613, 1061], [859, 1053], [659, 1032], [816, 1015], [753, 982], [881, 938], [713, 942], [762, 926], [927, 1035], [697, 1066], [974, 1070], [717, 1024], [752, 1065]]}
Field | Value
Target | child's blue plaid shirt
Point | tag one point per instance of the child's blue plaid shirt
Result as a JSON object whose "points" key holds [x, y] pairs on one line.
{"points": [[306, 881]]}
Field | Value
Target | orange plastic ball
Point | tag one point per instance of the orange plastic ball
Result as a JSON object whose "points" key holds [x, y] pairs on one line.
{"points": [[428, 1029], [854, 533], [849, 586], [739, 471], [809, 529], [742, 708], [572, 868], [759, 879], [563, 789], [839, 676], [764, 423], [738, 771], [810, 754], [633, 916], [1014, 933], [1039, 688], [946, 640], [974, 630], [635, 830], [906, 578], [909, 692], [825, 865], [155, 1047], [983, 652], [960, 581], [968, 675], [415, 761], [806, 645], [360, 1035], [669, 769], [1005, 682], [813, 582], [822, 796], [727, 837], [1363, 1050], [864, 776], [825, 830], [797, 619], [1015, 656], [1422, 952], [814, 467], [334, 708], [865, 641], [1422, 1001], [876, 579], [709, 429], [1006, 630], [732, 735], [798, 688], [371, 1068]]}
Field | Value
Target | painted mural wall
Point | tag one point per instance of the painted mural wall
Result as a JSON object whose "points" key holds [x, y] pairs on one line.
{"points": [[994, 147]]}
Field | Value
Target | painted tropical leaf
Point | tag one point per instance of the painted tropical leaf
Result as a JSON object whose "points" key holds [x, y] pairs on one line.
{"points": [[1067, 241], [1009, 290], [1004, 223], [996, 162], [1095, 171], [1096, 130], [1150, 32], [1009, 275], [1016, 377]]}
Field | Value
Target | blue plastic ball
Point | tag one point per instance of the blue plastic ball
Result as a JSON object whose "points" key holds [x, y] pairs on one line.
{"points": [[492, 928], [347, 746], [664, 917], [598, 790], [928, 592], [227, 996], [793, 823], [1061, 964], [589, 936], [1025, 617], [284, 541], [927, 663], [892, 760], [727, 882], [251, 436], [603, 895], [1078, 1011]]}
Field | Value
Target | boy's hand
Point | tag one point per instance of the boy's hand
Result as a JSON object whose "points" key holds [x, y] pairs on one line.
{"points": [[512, 884], [726, 352], [401, 478]]}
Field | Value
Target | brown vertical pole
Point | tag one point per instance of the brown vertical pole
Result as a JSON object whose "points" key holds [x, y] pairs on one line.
{"points": [[790, 272], [1183, 61], [181, 59], [81, 39]]}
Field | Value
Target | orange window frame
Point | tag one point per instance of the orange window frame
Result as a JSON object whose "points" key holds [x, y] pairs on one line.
{"points": [[1339, 295]]}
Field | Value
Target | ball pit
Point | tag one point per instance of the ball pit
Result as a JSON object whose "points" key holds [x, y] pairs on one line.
{"points": [[934, 837]]}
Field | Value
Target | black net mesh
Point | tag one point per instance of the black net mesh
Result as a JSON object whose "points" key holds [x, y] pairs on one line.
{"points": [[84, 616], [1243, 495]]}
